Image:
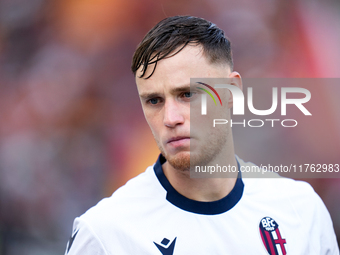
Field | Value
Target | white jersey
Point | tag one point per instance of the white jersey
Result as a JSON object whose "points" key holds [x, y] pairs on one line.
{"points": [[259, 216]]}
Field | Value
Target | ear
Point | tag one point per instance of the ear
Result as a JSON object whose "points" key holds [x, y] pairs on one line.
{"points": [[236, 80]]}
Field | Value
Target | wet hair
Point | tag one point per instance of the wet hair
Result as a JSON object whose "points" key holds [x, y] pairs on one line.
{"points": [[172, 34]]}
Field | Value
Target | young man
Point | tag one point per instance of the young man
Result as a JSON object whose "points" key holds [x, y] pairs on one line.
{"points": [[163, 210]]}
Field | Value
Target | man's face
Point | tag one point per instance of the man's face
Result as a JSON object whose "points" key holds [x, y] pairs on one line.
{"points": [[166, 97]]}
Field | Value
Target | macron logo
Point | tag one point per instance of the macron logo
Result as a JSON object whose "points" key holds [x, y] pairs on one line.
{"points": [[166, 249]]}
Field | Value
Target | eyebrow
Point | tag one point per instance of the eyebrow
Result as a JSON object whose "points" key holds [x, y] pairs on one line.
{"points": [[184, 88], [147, 96]]}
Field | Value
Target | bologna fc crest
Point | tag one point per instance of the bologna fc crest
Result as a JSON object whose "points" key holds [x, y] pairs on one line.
{"points": [[274, 243]]}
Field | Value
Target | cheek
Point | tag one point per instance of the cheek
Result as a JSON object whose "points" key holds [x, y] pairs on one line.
{"points": [[226, 96], [153, 122]]}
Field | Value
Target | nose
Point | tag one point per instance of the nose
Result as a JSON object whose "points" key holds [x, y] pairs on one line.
{"points": [[173, 114]]}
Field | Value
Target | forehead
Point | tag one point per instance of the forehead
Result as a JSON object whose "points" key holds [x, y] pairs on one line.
{"points": [[177, 70]]}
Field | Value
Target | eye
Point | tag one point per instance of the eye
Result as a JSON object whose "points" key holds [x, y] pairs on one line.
{"points": [[188, 94], [153, 101]]}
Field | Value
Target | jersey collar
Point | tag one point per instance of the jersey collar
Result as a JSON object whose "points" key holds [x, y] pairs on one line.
{"points": [[208, 208]]}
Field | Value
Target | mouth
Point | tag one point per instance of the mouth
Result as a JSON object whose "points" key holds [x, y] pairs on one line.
{"points": [[179, 141]]}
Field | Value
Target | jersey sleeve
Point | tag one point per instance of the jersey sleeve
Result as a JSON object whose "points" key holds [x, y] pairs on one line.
{"points": [[84, 241]]}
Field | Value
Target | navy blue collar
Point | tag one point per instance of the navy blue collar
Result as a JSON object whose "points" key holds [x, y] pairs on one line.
{"points": [[208, 208]]}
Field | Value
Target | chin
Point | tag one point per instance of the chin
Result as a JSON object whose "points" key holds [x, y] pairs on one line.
{"points": [[179, 161]]}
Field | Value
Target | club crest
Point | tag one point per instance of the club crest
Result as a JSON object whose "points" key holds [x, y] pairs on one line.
{"points": [[271, 237]]}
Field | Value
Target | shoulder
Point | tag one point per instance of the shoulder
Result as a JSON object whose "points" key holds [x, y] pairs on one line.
{"points": [[107, 221], [127, 198], [258, 179], [271, 188]]}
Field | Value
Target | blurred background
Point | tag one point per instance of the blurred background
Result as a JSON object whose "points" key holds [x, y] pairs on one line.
{"points": [[71, 127]]}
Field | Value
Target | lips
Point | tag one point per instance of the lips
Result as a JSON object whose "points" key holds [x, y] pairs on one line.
{"points": [[178, 138], [179, 141]]}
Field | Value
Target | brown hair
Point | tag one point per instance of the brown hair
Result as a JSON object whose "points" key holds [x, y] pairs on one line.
{"points": [[172, 34]]}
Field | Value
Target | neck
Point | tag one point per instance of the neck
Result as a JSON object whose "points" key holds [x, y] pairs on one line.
{"points": [[203, 189]]}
